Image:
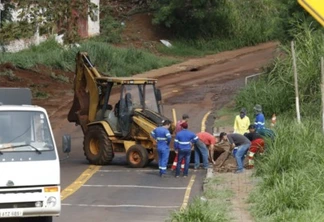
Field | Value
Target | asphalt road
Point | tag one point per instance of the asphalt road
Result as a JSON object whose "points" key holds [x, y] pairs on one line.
{"points": [[117, 192]]}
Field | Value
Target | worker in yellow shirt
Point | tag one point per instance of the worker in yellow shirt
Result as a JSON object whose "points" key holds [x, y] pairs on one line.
{"points": [[242, 122]]}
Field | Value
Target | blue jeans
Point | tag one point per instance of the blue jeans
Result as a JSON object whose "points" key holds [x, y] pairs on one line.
{"points": [[183, 154], [201, 148], [239, 155], [163, 159]]}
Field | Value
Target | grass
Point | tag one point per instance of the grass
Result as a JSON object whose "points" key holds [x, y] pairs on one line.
{"points": [[60, 78], [40, 95], [233, 24], [212, 207], [276, 91], [225, 116], [10, 75], [292, 174], [108, 59], [200, 47]]}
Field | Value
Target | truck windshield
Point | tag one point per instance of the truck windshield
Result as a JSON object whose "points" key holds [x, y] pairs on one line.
{"points": [[24, 131], [133, 95]]}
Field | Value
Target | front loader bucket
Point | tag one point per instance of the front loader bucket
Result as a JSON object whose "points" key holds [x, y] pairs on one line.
{"points": [[72, 116]]}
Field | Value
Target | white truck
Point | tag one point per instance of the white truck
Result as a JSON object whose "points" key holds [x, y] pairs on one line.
{"points": [[29, 161]]}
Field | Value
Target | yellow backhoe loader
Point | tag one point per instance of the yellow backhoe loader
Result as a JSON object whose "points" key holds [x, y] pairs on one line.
{"points": [[115, 114]]}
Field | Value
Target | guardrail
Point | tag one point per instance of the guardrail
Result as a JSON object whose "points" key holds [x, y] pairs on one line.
{"points": [[251, 76]]}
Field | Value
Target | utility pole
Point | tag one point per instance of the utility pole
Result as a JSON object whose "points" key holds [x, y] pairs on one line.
{"points": [[296, 80]]}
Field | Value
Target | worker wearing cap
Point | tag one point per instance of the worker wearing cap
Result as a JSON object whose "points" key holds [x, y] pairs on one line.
{"points": [[242, 122], [182, 144], [239, 143], [206, 142], [259, 117], [185, 118], [163, 137], [257, 144]]}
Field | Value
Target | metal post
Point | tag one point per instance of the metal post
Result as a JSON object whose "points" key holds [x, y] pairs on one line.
{"points": [[322, 89], [174, 116], [0, 11], [296, 80]]}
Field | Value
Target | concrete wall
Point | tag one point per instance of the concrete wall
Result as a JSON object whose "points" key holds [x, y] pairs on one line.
{"points": [[94, 26], [18, 45]]}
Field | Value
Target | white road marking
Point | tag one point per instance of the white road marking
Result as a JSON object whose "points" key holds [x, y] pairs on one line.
{"points": [[120, 206], [136, 186], [132, 171]]}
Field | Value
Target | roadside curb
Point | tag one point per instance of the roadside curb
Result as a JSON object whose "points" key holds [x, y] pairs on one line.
{"points": [[209, 175]]}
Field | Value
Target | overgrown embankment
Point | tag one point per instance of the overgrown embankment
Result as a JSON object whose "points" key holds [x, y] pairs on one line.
{"points": [[292, 175], [108, 59], [291, 170]]}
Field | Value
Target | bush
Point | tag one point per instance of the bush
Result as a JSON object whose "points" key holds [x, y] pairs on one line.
{"points": [[292, 175], [110, 27], [276, 91]]}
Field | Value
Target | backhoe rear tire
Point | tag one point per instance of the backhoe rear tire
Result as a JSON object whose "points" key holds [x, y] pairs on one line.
{"points": [[137, 156], [97, 146]]}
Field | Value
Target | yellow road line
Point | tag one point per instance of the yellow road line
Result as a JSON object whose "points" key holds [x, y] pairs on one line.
{"points": [[82, 179], [203, 122], [187, 194]]}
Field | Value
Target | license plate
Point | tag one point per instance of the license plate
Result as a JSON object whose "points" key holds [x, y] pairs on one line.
{"points": [[11, 213]]}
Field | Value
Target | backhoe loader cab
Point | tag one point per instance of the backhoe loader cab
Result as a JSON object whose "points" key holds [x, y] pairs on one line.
{"points": [[115, 114]]}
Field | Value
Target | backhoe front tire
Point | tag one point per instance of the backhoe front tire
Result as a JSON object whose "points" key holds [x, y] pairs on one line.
{"points": [[97, 146], [137, 156]]}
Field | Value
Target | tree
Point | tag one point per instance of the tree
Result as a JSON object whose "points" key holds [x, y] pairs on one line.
{"points": [[189, 18]]}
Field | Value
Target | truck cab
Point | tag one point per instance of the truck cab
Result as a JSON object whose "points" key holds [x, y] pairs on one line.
{"points": [[29, 162]]}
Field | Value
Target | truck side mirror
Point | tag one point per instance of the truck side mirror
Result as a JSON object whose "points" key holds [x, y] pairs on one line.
{"points": [[66, 143], [158, 95]]}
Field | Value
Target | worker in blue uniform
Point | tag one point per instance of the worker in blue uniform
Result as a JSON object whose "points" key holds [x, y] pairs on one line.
{"points": [[259, 117], [182, 144], [163, 137]]}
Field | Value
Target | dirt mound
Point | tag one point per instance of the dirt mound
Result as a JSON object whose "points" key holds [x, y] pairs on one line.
{"points": [[224, 162]]}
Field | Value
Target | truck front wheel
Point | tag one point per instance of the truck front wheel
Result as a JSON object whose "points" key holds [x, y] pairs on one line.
{"points": [[97, 146]]}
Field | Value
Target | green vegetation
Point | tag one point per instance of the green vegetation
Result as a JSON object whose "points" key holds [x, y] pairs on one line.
{"points": [[225, 116], [49, 16], [292, 175], [109, 60], [205, 27], [199, 47], [110, 27], [40, 95], [61, 78], [275, 91], [291, 172], [214, 208], [10, 75]]}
